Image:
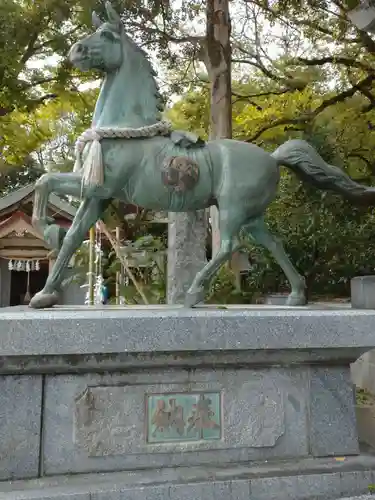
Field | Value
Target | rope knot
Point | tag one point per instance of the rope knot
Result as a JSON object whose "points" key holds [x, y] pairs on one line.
{"points": [[93, 168]]}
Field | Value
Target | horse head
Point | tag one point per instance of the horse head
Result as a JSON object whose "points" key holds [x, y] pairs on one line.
{"points": [[103, 50]]}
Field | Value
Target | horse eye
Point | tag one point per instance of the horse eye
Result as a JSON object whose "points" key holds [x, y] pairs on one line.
{"points": [[108, 35]]}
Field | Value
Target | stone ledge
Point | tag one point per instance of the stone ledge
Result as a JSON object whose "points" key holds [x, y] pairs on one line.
{"points": [[363, 497], [93, 331], [318, 479]]}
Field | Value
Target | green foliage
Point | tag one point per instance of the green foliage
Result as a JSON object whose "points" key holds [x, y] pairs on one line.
{"points": [[192, 113], [38, 89], [222, 290], [35, 37], [364, 398], [147, 256]]}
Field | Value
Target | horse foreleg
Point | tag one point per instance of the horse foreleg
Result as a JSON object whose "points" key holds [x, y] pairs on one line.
{"points": [[88, 213], [67, 184]]}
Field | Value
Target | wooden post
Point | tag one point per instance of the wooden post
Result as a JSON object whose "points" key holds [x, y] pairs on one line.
{"points": [[91, 266], [118, 274]]}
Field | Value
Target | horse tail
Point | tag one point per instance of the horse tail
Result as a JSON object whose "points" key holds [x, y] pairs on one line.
{"points": [[308, 165]]}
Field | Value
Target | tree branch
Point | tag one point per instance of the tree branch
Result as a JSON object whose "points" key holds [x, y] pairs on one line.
{"points": [[346, 61], [170, 38], [278, 123], [324, 105], [262, 94], [48, 43], [30, 49], [367, 41], [35, 83], [261, 67], [250, 97], [30, 104], [369, 164], [371, 98], [344, 95]]}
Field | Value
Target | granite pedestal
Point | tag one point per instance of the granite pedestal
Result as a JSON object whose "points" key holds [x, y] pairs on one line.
{"points": [[169, 403]]}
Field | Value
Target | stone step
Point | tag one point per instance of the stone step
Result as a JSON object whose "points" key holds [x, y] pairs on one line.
{"points": [[306, 479]]}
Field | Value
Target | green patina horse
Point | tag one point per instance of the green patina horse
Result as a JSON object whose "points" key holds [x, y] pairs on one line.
{"points": [[130, 154]]}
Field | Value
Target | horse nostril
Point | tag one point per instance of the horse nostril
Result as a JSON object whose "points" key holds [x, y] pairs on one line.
{"points": [[79, 48]]}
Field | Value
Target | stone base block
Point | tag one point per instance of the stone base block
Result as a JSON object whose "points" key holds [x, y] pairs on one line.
{"points": [[318, 479], [277, 299], [363, 372], [20, 426], [366, 424], [110, 390], [362, 292]]}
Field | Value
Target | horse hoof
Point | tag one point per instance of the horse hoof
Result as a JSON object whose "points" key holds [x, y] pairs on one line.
{"points": [[195, 297], [296, 299], [44, 300]]}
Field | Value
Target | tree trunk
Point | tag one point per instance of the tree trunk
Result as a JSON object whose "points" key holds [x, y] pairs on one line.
{"points": [[217, 56], [186, 239]]}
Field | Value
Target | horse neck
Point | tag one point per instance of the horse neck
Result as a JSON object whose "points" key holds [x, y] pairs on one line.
{"points": [[120, 101]]}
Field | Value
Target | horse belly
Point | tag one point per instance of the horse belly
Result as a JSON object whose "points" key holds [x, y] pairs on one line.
{"points": [[175, 180]]}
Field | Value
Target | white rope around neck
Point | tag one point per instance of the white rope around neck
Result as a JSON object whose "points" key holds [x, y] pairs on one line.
{"points": [[93, 167]]}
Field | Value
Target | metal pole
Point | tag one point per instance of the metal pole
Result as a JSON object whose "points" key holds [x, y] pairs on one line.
{"points": [[91, 266]]}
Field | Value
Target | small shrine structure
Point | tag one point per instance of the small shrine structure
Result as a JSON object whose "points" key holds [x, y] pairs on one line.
{"points": [[25, 260]]}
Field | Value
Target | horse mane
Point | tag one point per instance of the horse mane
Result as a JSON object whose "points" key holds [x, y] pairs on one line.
{"points": [[145, 87]]}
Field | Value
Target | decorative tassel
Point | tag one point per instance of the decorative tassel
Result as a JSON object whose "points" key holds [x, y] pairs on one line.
{"points": [[27, 297], [93, 169], [10, 265], [80, 146], [78, 163]]}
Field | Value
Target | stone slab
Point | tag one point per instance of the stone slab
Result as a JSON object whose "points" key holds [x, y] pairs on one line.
{"points": [[332, 412], [362, 497], [20, 426], [362, 292], [88, 331], [304, 479], [101, 422], [277, 299]]}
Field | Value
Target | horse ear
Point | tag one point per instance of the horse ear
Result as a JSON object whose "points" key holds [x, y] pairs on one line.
{"points": [[113, 17], [96, 22]]}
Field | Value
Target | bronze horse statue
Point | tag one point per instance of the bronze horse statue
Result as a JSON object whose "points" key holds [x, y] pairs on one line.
{"points": [[132, 155]]}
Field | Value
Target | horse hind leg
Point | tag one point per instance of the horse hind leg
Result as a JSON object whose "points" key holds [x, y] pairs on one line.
{"points": [[88, 213], [262, 235], [228, 245]]}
